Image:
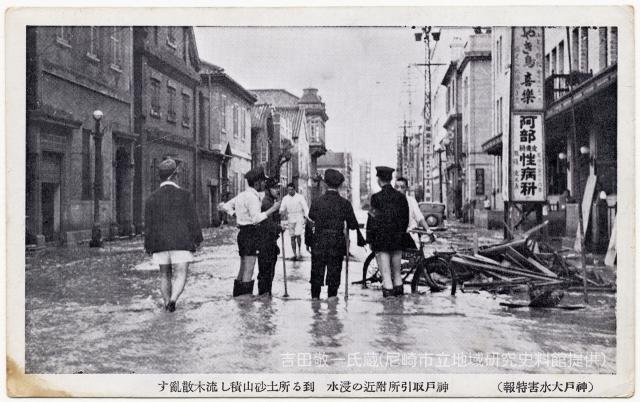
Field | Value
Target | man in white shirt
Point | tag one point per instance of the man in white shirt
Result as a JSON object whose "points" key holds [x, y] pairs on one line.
{"points": [[416, 219], [246, 206], [295, 208]]}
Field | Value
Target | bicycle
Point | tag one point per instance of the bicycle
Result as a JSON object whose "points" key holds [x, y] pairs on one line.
{"points": [[414, 262]]}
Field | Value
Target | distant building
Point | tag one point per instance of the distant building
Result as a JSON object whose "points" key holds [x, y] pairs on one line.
{"points": [[340, 161], [226, 143], [467, 170], [365, 184], [316, 120], [263, 146], [72, 72], [294, 135], [410, 159]]}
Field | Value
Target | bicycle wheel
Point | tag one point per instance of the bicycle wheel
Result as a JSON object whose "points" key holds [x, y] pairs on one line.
{"points": [[370, 271], [441, 273]]}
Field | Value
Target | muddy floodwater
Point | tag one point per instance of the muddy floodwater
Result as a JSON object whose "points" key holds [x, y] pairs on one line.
{"points": [[98, 311]]}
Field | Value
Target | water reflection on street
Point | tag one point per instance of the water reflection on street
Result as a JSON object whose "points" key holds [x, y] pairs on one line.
{"points": [[100, 313]]}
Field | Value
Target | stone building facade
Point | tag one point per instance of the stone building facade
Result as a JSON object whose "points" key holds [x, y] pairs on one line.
{"points": [[225, 140], [165, 76], [290, 131], [72, 72]]}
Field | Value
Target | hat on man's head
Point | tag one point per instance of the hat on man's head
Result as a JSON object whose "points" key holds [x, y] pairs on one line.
{"points": [[255, 174], [333, 178], [272, 182], [167, 167], [384, 173]]}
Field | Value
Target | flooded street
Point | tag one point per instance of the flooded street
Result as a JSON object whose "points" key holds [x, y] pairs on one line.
{"points": [[99, 311]]}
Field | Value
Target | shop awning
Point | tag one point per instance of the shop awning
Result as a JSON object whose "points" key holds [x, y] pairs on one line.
{"points": [[493, 146]]}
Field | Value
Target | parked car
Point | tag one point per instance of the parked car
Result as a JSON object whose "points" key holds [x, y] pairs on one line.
{"points": [[433, 212]]}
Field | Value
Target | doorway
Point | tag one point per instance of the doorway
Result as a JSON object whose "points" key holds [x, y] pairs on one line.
{"points": [[123, 191], [50, 210], [213, 206]]}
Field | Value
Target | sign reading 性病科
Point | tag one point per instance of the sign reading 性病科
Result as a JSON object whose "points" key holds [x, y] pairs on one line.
{"points": [[526, 139]]}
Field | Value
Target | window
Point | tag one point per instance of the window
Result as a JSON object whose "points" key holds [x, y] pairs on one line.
{"points": [[171, 37], [613, 45], [547, 64], [466, 91], [497, 121], [243, 135], [500, 116], [155, 97], [554, 61], [171, 107], [264, 152], [479, 181], [500, 47], [448, 98], [62, 36], [584, 49], [235, 120], [87, 193], [94, 43], [186, 118], [116, 49], [603, 48], [223, 113], [574, 49], [185, 53], [561, 57]]}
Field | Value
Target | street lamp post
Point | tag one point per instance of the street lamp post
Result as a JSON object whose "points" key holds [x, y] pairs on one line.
{"points": [[96, 234]]}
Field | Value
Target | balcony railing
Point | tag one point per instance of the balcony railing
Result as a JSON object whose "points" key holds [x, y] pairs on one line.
{"points": [[556, 86]]}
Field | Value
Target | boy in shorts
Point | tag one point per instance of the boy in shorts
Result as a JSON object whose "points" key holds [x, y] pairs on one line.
{"points": [[172, 232]]}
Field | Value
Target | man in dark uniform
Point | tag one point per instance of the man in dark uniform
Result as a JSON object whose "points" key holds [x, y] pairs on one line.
{"points": [[386, 227], [270, 230], [329, 214]]}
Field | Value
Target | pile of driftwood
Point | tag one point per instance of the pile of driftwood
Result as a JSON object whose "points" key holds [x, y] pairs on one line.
{"points": [[525, 261]]}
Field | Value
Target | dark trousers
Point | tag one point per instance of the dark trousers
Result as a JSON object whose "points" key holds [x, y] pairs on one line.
{"points": [[267, 259], [329, 264]]}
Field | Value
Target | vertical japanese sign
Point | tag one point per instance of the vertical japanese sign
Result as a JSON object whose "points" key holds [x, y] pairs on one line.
{"points": [[527, 157], [526, 141]]}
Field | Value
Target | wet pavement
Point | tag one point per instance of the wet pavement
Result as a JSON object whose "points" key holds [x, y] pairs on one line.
{"points": [[98, 311]]}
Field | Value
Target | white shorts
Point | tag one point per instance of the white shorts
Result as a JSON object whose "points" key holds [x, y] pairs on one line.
{"points": [[172, 257], [296, 227]]}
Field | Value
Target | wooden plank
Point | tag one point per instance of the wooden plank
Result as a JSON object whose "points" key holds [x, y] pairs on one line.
{"points": [[610, 258], [587, 200], [541, 267]]}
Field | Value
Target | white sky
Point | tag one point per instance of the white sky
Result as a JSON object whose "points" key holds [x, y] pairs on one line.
{"points": [[359, 72]]}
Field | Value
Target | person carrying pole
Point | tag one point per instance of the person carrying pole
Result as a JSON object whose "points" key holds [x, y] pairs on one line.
{"points": [[247, 207], [270, 230], [329, 213]]}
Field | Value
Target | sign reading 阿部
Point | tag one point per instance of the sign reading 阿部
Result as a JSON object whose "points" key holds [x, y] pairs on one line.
{"points": [[526, 139], [527, 157]]}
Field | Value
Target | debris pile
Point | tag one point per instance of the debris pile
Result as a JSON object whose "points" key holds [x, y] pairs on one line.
{"points": [[525, 261]]}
